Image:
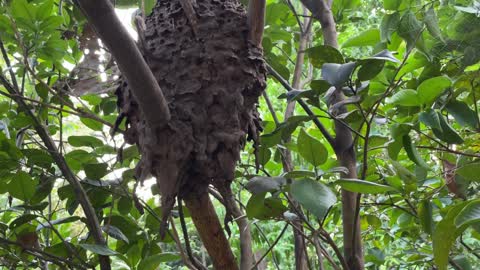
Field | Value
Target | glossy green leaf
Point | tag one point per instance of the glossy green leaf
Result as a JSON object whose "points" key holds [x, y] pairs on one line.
{"points": [[469, 215], [79, 141], [407, 97], [337, 74], [431, 88], [314, 196], [412, 152], [366, 38], [311, 149], [362, 186], [447, 134], [115, 233], [320, 55], [370, 69], [260, 184], [430, 118], [463, 114]]}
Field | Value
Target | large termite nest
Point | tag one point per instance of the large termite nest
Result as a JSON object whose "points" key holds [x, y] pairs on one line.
{"points": [[211, 76]]}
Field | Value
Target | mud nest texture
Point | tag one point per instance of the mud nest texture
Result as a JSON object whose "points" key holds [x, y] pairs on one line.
{"points": [[211, 76]]}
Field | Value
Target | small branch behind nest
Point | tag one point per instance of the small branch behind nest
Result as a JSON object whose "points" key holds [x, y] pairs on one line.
{"points": [[189, 10]]}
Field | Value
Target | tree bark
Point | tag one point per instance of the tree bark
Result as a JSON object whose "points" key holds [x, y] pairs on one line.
{"points": [[344, 148], [210, 230], [145, 88], [246, 251], [300, 249]]}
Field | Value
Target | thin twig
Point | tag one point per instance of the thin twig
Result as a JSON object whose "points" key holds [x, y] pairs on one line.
{"points": [[271, 247], [309, 112]]}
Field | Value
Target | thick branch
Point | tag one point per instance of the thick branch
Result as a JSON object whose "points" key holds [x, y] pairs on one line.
{"points": [[344, 147], [144, 86], [210, 231], [256, 21]]}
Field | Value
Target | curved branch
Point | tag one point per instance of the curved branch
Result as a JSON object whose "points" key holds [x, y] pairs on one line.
{"points": [[145, 88]]}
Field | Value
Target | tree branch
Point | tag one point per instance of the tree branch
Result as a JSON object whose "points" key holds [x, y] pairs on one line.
{"points": [[142, 82], [256, 21], [305, 107]]}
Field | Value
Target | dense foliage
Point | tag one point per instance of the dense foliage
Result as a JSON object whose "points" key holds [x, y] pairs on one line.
{"points": [[410, 70]]}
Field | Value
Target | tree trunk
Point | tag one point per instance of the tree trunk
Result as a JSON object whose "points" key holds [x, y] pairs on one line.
{"points": [[210, 231], [344, 148]]}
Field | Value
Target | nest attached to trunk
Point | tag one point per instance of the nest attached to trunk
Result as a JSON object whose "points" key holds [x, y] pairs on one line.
{"points": [[212, 77]]}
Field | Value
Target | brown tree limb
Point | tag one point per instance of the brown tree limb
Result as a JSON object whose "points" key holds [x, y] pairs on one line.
{"points": [[210, 231], [142, 82], [344, 146], [301, 257], [256, 21], [246, 251]]}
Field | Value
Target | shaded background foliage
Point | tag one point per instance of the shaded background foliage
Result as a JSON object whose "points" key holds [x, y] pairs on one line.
{"points": [[415, 77]]}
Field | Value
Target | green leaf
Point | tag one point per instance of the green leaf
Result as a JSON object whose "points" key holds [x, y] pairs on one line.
{"points": [[22, 9], [462, 113], [388, 26], [311, 149], [263, 209], [337, 74], [25, 218], [407, 97], [260, 184], [391, 4], [426, 216], [469, 215], [362, 186], [470, 171], [152, 262], [99, 249], [79, 141], [314, 196], [431, 21], [38, 157], [22, 186], [320, 55], [44, 10], [430, 118], [57, 222], [370, 69], [92, 124], [444, 236], [447, 134], [410, 29], [431, 88], [367, 38], [95, 171], [412, 152], [115, 233], [149, 5], [385, 55]]}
